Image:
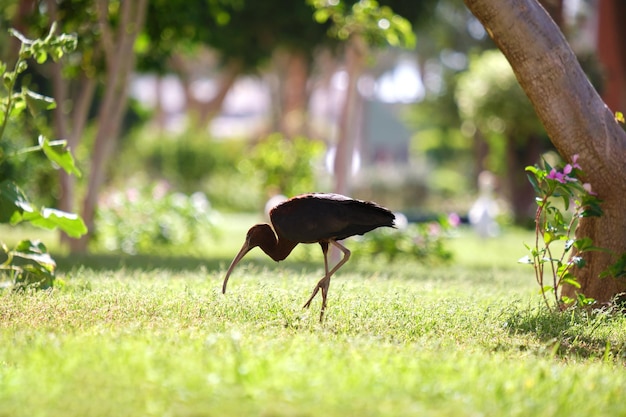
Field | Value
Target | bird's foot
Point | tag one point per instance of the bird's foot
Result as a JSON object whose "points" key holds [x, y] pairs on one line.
{"points": [[315, 291], [323, 284]]}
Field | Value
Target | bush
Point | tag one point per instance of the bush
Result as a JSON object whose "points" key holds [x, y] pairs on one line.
{"points": [[190, 162], [28, 263], [420, 241], [233, 175], [142, 221], [283, 165]]}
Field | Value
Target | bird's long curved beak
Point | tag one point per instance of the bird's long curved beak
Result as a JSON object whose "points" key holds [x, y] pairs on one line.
{"points": [[242, 252]]}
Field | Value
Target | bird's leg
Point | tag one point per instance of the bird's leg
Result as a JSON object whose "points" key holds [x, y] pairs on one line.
{"points": [[324, 283], [324, 246]]}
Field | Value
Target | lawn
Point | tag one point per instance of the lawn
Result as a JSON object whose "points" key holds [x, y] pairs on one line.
{"points": [[149, 336]]}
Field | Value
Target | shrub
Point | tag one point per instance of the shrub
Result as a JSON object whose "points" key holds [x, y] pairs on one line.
{"points": [[553, 223], [421, 241], [284, 166], [143, 220], [28, 263]]}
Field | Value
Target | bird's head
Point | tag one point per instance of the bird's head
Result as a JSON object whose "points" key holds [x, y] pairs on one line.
{"points": [[256, 236]]}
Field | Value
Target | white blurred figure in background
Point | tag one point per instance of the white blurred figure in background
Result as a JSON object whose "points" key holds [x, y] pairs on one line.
{"points": [[273, 201], [483, 213]]}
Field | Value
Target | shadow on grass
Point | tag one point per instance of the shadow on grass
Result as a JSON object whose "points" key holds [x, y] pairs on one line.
{"points": [[578, 333]]}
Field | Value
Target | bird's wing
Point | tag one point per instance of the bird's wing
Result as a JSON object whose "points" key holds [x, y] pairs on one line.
{"points": [[316, 217]]}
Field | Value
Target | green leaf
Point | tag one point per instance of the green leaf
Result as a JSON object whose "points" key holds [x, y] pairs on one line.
{"points": [[562, 270], [321, 15], [533, 182], [36, 102], [578, 261], [571, 281], [585, 301], [35, 251], [41, 56], [583, 243], [547, 165], [15, 208], [525, 260], [19, 104], [547, 288], [566, 201], [548, 237], [591, 206], [33, 264], [617, 269], [58, 152], [13, 202], [48, 218], [392, 39]]}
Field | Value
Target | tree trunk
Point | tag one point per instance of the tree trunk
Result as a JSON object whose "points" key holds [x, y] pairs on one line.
{"points": [[576, 119], [555, 10], [519, 192], [25, 9], [202, 112], [293, 94], [356, 50], [120, 60], [611, 52], [210, 109], [68, 125]]}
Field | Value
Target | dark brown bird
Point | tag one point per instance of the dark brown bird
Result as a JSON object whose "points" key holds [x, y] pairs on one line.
{"points": [[314, 218]]}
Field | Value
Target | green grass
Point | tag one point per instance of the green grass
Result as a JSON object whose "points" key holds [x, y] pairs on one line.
{"points": [[155, 336]]}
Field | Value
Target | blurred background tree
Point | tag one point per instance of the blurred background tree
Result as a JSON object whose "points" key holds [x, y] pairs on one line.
{"points": [[186, 93], [495, 109]]}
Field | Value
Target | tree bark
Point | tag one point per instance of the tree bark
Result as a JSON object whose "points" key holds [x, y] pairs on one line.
{"points": [[293, 94], [575, 118], [356, 50], [202, 112], [520, 154], [70, 124], [611, 52], [120, 60], [207, 111]]}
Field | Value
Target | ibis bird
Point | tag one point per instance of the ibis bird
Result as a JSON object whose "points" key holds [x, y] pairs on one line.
{"points": [[314, 218]]}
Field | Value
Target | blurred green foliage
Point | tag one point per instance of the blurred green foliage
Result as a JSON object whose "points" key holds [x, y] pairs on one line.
{"points": [[28, 263], [35, 175], [189, 162], [491, 101], [489, 95], [144, 220], [283, 166], [234, 175], [424, 242]]}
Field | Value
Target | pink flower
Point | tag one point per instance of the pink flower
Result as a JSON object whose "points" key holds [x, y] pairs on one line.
{"points": [[561, 177], [132, 195], [555, 175], [434, 229], [587, 188], [454, 220], [575, 162], [568, 169]]}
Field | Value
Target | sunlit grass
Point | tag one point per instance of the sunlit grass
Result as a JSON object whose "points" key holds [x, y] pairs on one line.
{"points": [[470, 338]]}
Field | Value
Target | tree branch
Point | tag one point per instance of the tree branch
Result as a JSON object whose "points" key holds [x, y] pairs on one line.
{"points": [[102, 8]]}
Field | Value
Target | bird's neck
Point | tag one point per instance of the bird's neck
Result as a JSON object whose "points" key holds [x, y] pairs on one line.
{"points": [[278, 249]]}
